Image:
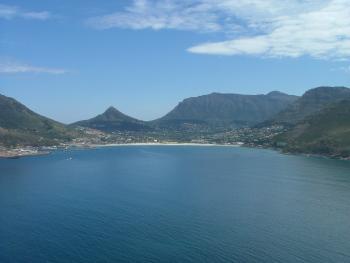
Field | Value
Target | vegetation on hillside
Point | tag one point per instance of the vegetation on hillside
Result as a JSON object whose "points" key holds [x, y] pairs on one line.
{"points": [[226, 110], [313, 101], [113, 120], [21, 126], [326, 132]]}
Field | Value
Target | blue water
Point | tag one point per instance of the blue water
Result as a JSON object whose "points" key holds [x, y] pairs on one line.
{"points": [[174, 204]]}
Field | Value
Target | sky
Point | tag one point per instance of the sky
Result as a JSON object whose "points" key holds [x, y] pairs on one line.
{"points": [[70, 60]]}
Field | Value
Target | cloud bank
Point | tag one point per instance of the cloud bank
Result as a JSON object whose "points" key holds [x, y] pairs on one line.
{"points": [[267, 28], [15, 67], [10, 12]]}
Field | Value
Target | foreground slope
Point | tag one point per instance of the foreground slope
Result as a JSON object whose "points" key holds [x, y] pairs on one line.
{"points": [[21, 126], [326, 132], [113, 120], [311, 102], [227, 110]]}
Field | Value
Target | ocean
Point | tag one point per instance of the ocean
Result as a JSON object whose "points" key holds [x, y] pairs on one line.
{"points": [[174, 204]]}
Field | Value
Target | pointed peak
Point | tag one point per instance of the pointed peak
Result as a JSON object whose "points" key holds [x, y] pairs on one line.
{"points": [[112, 114], [111, 109]]}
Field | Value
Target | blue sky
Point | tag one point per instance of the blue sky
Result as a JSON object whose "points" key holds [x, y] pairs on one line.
{"points": [[70, 60]]}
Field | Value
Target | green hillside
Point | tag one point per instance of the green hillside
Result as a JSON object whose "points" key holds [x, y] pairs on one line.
{"points": [[313, 101], [113, 120], [21, 126], [326, 132]]}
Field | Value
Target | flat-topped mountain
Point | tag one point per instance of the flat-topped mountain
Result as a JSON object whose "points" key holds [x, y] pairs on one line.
{"points": [[325, 132], [113, 120], [20, 125], [230, 110], [312, 101]]}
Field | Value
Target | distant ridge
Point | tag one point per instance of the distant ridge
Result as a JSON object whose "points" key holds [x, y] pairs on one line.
{"points": [[228, 110], [113, 120]]}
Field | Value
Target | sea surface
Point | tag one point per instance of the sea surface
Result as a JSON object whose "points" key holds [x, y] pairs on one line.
{"points": [[174, 204]]}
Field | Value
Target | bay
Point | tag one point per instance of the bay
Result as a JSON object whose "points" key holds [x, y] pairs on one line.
{"points": [[174, 204]]}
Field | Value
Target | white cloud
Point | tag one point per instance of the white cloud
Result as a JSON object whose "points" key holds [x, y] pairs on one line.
{"points": [[321, 33], [202, 15], [10, 12], [156, 15], [269, 28], [14, 67]]}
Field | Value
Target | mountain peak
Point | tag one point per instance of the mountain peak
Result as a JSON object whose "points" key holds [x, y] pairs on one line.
{"points": [[111, 110], [113, 120], [276, 93]]}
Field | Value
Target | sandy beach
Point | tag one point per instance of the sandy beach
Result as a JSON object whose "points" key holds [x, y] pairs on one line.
{"points": [[163, 144]]}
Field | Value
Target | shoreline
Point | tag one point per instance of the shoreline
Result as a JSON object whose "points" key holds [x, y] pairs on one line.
{"points": [[20, 153], [10, 154], [162, 144]]}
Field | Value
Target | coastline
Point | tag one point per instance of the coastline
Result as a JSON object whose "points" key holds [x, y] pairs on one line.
{"points": [[14, 154], [307, 155], [163, 144], [22, 152]]}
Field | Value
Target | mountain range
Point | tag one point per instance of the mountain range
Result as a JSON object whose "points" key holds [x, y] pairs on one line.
{"points": [[316, 122], [213, 111]]}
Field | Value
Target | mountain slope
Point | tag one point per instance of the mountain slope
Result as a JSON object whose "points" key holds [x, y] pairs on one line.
{"points": [[233, 110], [325, 132], [20, 125], [113, 120], [311, 102]]}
